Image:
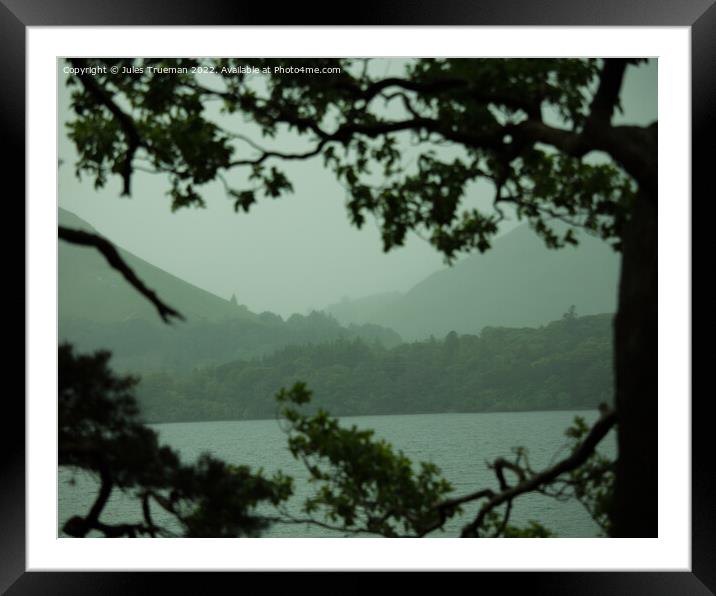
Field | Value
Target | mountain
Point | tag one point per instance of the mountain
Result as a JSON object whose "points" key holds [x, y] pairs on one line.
{"points": [[98, 309], [517, 283]]}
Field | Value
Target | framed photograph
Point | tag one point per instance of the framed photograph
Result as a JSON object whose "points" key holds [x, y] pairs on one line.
{"points": [[300, 286]]}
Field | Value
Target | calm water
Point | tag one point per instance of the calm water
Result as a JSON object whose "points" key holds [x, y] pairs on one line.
{"points": [[458, 443]]}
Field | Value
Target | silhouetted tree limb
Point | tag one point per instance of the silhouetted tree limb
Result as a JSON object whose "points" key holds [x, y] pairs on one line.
{"points": [[534, 482], [147, 513], [288, 518], [448, 508], [606, 99], [529, 481], [265, 154], [115, 260], [78, 526], [129, 127]]}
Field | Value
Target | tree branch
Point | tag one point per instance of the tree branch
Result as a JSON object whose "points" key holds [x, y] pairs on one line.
{"points": [[147, 513], [285, 156], [438, 86], [117, 262], [79, 526], [447, 508], [607, 95], [576, 459], [134, 140]]}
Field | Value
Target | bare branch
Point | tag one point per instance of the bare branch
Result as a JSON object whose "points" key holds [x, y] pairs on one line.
{"points": [[436, 87], [448, 508], [147, 513], [533, 483], [288, 518], [117, 262], [499, 466], [286, 156], [78, 526], [501, 530]]}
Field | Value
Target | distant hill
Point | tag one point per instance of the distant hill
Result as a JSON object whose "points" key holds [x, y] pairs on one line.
{"points": [[99, 309], [518, 282]]}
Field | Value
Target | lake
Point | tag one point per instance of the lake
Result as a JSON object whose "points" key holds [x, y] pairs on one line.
{"points": [[459, 444]]}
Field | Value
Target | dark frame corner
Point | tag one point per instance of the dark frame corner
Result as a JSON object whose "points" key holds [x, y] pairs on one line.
{"points": [[700, 15]]}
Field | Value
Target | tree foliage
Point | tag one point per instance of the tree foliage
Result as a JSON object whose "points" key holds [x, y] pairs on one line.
{"points": [[364, 486], [467, 120], [100, 431], [364, 483]]}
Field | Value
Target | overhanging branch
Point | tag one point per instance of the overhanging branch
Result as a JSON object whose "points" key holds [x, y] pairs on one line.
{"points": [[115, 261], [534, 482]]}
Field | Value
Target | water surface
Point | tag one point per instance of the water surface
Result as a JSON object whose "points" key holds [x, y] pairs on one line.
{"points": [[459, 444]]}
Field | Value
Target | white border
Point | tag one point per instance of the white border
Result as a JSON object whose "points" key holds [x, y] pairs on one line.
{"points": [[670, 551]]}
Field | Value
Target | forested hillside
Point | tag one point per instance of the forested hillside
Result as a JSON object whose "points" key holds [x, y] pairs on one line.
{"points": [[139, 345], [563, 365]]}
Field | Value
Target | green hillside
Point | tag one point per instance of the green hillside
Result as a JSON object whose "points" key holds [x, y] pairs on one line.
{"points": [[90, 290], [519, 282]]}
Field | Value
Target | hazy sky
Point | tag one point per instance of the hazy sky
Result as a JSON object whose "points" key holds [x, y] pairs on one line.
{"points": [[286, 255]]}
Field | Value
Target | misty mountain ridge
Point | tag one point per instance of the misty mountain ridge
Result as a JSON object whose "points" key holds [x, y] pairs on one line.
{"points": [[226, 362], [98, 309], [519, 282]]}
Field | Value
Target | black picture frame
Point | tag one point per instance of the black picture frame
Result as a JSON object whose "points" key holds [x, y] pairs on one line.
{"points": [[17, 15]]}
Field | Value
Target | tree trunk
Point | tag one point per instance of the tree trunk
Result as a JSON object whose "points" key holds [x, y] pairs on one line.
{"points": [[634, 513]]}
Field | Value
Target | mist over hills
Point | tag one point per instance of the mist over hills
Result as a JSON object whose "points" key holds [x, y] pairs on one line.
{"points": [[99, 309], [517, 283], [227, 362]]}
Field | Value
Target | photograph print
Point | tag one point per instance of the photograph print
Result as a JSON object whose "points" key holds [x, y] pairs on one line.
{"points": [[357, 297]]}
